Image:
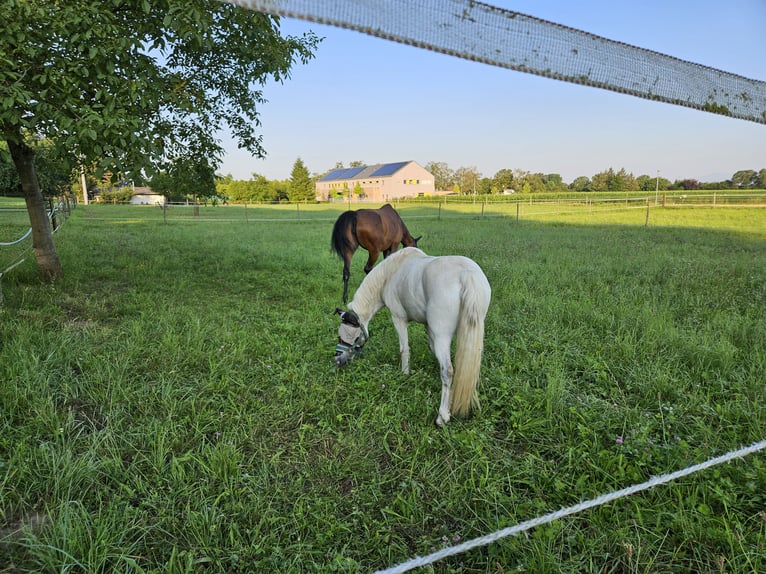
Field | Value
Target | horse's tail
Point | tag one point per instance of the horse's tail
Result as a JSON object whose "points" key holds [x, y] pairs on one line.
{"points": [[470, 343], [341, 241]]}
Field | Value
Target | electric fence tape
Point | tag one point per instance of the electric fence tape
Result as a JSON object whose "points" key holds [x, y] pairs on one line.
{"points": [[19, 240], [598, 501], [499, 37]]}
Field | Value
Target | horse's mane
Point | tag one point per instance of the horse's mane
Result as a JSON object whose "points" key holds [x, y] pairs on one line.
{"points": [[368, 294]]}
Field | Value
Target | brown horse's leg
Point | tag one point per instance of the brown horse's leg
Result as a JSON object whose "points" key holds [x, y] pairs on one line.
{"points": [[373, 257], [346, 274]]}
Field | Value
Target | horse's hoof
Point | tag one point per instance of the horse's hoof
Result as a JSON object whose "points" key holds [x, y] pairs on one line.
{"points": [[440, 422]]}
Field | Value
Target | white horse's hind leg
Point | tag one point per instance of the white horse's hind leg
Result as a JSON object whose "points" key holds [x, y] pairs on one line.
{"points": [[404, 344], [442, 351]]}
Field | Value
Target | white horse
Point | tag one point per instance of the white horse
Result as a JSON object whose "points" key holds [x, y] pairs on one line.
{"points": [[449, 295]]}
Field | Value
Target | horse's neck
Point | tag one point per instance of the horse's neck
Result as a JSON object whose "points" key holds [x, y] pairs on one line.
{"points": [[368, 299], [366, 306]]}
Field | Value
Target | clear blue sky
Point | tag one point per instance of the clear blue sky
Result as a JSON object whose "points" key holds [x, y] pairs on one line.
{"points": [[367, 99]]}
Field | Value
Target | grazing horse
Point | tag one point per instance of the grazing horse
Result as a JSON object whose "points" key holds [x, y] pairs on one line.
{"points": [[377, 230], [449, 295]]}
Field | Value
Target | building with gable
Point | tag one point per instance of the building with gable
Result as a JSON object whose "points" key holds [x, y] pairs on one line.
{"points": [[377, 183]]}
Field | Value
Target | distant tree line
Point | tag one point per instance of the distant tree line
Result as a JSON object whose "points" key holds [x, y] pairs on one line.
{"points": [[259, 189], [187, 179], [468, 180]]}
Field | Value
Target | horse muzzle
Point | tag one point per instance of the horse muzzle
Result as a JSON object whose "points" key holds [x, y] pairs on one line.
{"points": [[344, 354]]}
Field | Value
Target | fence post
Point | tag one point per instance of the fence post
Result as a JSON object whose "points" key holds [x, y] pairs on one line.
{"points": [[646, 223], [53, 213], [518, 204]]}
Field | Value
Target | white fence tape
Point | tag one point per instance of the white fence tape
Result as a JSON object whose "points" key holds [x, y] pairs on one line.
{"points": [[603, 499]]}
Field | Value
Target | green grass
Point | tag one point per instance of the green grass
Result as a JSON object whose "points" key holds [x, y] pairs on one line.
{"points": [[171, 405]]}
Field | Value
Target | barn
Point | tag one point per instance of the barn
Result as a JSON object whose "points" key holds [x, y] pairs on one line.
{"points": [[377, 183], [145, 196]]}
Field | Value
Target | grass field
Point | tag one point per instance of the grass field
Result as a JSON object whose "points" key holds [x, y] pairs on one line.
{"points": [[171, 405]]}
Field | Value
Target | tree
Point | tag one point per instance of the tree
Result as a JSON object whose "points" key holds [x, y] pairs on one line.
{"points": [[132, 85], [614, 181], [52, 173], [467, 178], [654, 183], [485, 186], [502, 180], [535, 183], [600, 181], [554, 182], [301, 185], [687, 184], [745, 178], [187, 177], [444, 177], [581, 183]]}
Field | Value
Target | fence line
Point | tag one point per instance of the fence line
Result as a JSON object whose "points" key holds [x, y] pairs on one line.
{"points": [[17, 241], [58, 207], [598, 501], [512, 207]]}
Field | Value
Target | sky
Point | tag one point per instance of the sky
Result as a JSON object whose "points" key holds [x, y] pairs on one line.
{"points": [[371, 100]]}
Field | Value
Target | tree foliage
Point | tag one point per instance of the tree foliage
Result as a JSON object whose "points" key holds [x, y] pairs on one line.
{"points": [[258, 189], [444, 177], [134, 84], [301, 185], [503, 181]]}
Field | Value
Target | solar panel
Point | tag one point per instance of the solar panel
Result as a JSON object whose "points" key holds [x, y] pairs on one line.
{"points": [[389, 168], [334, 174], [353, 171], [343, 173]]}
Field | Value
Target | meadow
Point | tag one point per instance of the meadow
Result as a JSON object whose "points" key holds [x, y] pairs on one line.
{"points": [[171, 405]]}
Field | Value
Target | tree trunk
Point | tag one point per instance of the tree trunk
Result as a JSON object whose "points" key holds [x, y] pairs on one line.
{"points": [[48, 263]]}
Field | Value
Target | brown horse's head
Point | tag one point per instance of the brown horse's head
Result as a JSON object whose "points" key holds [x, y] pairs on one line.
{"points": [[410, 241]]}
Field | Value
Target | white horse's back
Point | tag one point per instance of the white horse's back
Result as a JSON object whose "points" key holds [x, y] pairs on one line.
{"points": [[421, 282]]}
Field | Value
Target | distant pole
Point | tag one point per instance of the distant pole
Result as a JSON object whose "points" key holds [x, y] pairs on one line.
{"points": [[646, 223], [84, 185], [656, 188]]}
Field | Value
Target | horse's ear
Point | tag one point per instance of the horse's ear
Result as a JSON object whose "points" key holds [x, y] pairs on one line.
{"points": [[348, 317], [418, 238]]}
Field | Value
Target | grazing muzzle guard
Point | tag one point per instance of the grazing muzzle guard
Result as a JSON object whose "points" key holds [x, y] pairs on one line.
{"points": [[350, 329]]}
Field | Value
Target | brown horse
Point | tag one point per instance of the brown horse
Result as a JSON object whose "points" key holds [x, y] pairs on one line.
{"points": [[377, 230]]}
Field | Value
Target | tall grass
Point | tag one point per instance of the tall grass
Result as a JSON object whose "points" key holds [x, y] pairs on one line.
{"points": [[171, 405]]}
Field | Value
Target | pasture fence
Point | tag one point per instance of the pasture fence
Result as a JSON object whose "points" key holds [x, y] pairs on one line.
{"points": [[16, 223], [564, 512], [527, 206], [518, 207]]}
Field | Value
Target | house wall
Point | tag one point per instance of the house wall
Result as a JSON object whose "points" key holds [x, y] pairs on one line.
{"points": [[147, 199], [411, 180]]}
